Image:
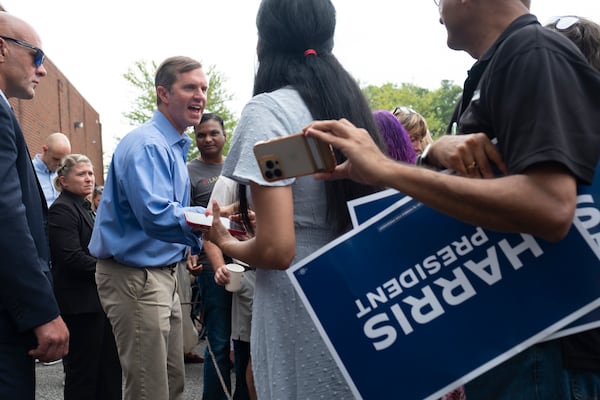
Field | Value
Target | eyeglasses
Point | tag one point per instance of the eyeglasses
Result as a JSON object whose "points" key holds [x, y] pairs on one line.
{"points": [[38, 56], [564, 23]]}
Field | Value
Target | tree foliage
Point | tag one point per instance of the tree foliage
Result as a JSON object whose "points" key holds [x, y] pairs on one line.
{"points": [[141, 78], [217, 103], [436, 106]]}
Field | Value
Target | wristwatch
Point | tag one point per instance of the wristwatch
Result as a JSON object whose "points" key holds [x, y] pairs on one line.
{"points": [[422, 158]]}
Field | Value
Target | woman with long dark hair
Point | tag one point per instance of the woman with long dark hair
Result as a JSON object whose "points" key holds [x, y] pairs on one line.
{"points": [[298, 80]]}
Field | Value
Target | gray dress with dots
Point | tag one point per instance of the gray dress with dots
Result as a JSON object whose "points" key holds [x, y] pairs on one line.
{"points": [[290, 359]]}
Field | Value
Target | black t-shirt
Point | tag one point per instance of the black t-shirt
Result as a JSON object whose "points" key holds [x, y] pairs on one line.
{"points": [[539, 97], [535, 92]]}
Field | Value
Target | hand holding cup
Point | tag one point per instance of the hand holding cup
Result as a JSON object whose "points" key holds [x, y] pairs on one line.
{"points": [[235, 277]]}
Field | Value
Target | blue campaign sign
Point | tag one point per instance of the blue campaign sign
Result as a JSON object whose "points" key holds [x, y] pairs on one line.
{"points": [[364, 208], [413, 301], [589, 321]]}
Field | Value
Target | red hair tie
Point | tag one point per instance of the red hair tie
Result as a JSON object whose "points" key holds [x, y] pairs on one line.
{"points": [[310, 52]]}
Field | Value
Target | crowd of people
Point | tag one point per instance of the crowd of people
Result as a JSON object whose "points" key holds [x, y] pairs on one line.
{"points": [[101, 276]]}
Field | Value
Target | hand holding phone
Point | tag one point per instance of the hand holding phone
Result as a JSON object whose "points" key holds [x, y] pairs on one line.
{"points": [[292, 156]]}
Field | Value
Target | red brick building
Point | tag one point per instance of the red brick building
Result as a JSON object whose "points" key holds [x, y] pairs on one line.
{"points": [[59, 107]]}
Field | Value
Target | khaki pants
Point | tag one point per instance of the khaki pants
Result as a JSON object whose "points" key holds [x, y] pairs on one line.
{"points": [[143, 307], [184, 290]]}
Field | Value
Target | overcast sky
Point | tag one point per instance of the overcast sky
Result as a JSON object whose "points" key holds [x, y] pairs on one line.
{"points": [[378, 41]]}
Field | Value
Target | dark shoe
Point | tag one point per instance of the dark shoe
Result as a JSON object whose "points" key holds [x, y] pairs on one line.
{"points": [[192, 358]]}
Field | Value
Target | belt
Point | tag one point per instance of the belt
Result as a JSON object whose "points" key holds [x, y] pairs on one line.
{"points": [[170, 267]]}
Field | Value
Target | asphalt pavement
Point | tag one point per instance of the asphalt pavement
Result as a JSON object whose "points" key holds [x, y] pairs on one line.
{"points": [[50, 379]]}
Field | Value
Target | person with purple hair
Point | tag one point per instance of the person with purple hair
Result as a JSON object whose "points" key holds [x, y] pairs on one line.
{"points": [[397, 141], [400, 148]]}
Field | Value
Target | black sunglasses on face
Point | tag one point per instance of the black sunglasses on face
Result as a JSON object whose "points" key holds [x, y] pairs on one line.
{"points": [[38, 56]]}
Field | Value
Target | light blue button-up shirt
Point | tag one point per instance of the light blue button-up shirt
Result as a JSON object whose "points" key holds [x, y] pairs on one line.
{"points": [[140, 220], [46, 178]]}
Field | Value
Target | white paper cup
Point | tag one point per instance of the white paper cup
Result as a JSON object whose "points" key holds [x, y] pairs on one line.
{"points": [[235, 277]]}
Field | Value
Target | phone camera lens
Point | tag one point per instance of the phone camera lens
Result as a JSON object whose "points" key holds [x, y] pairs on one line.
{"points": [[270, 164], [269, 174], [277, 172]]}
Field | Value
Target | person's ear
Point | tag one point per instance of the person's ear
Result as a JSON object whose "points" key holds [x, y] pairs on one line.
{"points": [[163, 94]]}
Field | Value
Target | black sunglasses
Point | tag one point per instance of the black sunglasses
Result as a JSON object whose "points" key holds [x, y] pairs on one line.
{"points": [[38, 56]]}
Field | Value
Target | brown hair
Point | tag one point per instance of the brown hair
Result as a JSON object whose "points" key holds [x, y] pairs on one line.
{"points": [[170, 69], [584, 33], [412, 121]]}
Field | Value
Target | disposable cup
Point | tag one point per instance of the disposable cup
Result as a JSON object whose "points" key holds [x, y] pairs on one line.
{"points": [[235, 277]]}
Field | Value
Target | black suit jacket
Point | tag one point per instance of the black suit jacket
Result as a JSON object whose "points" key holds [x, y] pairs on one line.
{"points": [[26, 296], [73, 267]]}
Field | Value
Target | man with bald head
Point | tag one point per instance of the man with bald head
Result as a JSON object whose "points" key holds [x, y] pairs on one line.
{"points": [[57, 146], [30, 324]]}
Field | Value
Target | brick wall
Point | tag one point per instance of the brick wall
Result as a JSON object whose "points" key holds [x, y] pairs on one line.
{"points": [[56, 107]]}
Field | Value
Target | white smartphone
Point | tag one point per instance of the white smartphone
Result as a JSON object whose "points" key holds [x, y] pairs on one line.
{"points": [[292, 156]]}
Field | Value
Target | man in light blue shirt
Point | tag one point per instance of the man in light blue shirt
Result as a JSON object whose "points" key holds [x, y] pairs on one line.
{"points": [[57, 146], [140, 234]]}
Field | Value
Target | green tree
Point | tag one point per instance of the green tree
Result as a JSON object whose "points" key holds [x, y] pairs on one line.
{"points": [[217, 103], [436, 106], [444, 100], [141, 78]]}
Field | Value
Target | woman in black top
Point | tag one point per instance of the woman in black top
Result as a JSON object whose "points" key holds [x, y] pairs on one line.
{"points": [[92, 366]]}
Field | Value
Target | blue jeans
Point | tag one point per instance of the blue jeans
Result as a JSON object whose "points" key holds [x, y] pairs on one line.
{"points": [[535, 374], [216, 310]]}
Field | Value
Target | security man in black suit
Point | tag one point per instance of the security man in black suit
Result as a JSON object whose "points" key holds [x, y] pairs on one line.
{"points": [[30, 324]]}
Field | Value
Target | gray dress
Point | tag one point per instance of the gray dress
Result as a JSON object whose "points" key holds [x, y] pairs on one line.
{"points": [[290, 359]]}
